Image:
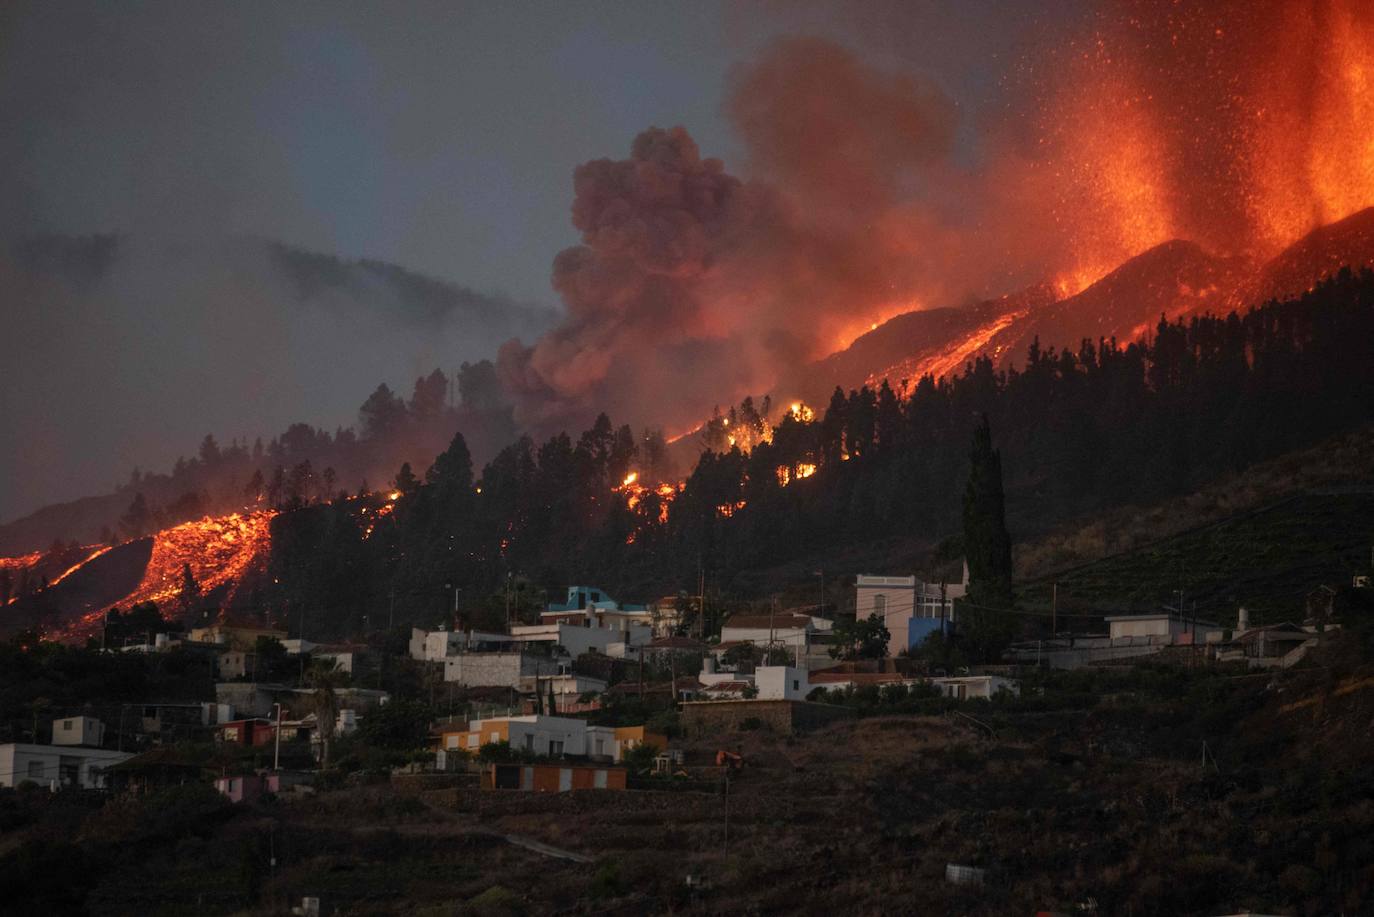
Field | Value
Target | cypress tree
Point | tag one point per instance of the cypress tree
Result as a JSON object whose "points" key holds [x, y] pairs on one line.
{"points": [[987, 547]]}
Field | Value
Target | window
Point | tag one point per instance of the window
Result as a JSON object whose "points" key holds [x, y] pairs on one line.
{"points": [[555, 747], [529, 741], [473, 739], [66, 725], [880, 604], [796, 685], [495, 737], [36, 770]]}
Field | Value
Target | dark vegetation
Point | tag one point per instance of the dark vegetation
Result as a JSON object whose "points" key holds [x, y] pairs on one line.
{"points": [[1078, 430]]}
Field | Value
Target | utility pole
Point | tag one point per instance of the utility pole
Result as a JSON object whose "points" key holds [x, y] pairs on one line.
{"points": [[1054, 610], [701, 599], [942, 606], [276, 752], [772, 612], [508, 578]]}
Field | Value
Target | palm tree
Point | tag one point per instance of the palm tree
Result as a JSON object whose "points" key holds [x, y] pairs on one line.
{"points": [[325, 677]]}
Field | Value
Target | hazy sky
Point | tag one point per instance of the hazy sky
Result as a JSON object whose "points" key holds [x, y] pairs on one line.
{"points": [[441, 136]]}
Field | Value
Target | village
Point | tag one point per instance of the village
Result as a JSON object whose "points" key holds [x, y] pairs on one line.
{"points": [[528, 693], [597, 696]]}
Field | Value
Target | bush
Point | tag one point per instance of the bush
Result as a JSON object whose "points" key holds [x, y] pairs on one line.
{"points": [[606, 882], [495, 753], [496, 901]]}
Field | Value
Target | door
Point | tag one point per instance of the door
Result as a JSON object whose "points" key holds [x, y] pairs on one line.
{"points": [[564, 779]]}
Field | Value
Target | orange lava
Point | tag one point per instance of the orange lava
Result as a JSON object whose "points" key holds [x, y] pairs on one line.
{"points": [[220, 551]]}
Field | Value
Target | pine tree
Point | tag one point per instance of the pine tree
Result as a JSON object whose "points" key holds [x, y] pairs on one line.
{"points": [[406, 483]]}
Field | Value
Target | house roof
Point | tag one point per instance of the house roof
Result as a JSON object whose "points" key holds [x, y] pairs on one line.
{"points": [[676, 643], [723, 686], [858, 678], [763, 622], [1283, 631], [242, 623]]}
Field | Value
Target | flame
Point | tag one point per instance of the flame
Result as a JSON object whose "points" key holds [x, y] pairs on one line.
{"points": [[786, 475], [635, 492]]}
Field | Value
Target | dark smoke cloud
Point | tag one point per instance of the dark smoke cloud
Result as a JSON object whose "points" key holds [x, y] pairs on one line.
{"points": [[864, 192], [692, 284]]}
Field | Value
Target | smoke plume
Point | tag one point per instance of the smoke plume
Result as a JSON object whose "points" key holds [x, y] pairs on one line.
{"points": [[1236, 125]]}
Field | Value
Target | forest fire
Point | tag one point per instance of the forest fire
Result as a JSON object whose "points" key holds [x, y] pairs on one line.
{"points": [[660, 495]]}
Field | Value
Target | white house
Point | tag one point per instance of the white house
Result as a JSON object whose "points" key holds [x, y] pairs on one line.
{"points": [[781, 682], [74, 759], [434, 646], [347, 657], [769, 682], [554, 736], [789, 630], [78, 730], [1160, 628], [577, 639], [972, 687]]}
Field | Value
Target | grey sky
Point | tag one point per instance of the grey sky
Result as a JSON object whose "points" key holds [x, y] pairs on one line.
{"points": [[438, 135]]}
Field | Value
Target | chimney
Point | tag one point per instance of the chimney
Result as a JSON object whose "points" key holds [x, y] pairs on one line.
{"points": [[1242, 621]]}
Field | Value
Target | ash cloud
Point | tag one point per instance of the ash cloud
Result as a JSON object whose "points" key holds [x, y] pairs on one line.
{"points": [[692, 283], [863, 190]]}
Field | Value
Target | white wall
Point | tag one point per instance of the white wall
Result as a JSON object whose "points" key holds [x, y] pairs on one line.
{"points": [[78, 730], [538, 735], [43, 764], [434, 646], [1148, 627], [781, 682], [578, 640]]}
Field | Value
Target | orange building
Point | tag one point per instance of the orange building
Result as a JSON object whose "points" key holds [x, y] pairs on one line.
{"points": [[552, 778]]}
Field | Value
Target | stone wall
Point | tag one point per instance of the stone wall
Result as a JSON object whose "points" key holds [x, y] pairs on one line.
{"points": [[707, 718]]}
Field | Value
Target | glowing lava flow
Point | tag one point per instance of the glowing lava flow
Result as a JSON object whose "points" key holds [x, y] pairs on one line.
{"points": [[219, 550], [953, 357], [79, 564]]}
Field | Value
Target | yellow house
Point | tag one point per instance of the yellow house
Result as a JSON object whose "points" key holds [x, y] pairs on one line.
{"points": [[554, 736], [478, 733], [239, 636], [628, 737]]}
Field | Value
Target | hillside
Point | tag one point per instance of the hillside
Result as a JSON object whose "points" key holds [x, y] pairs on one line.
{"points": [[1089, 792], [1266, 559], [1175, 279]]}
